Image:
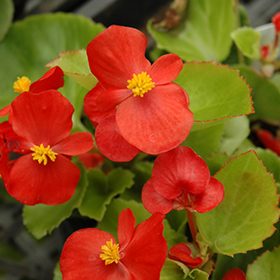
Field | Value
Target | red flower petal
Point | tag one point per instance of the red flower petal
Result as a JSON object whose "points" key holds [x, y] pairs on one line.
{"points": [[32, 183], [146, 253], [52, 79], [178, 170], [90, 106], [234, 274], [116, 54], [182, 253], [276, 21], [5, 111], [126, 224], [44, 118], [75, 144], [165, 69], [211, 197], [80, 257], [91, 160], [153, 202], [157, 122], [111, 144]]}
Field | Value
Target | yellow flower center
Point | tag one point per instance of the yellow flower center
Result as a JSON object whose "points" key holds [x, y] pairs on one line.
{"points": [[110, 252], [41, 153], [22, 84], [140, 84]]}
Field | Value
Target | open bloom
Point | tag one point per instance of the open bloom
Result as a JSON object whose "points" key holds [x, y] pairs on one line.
{"points": [[147, 112], [94, 254], [234, 274], [181, 180], [39, 132]]}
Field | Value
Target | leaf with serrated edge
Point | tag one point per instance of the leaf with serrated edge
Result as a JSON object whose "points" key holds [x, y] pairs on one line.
{"points": [[249, 210]]}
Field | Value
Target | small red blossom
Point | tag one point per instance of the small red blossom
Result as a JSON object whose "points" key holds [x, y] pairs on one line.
{"points": [[269, 141], [264, 52], [182, 253], [181, 180], [276, 21], [147, 111], [39, 132], [234, 274], [93, 254]]}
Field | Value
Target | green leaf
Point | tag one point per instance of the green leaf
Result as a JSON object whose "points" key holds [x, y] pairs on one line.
{"points": [[216, 93], [42, 219], [235, 132], [203, 34], [171, 271], [35, 41], [249, 209], [6, 16], [57, 273], [75, 65], [247, 40], [102, 189], [216, 161], [265, 267], [110, 220], [265, 94]]}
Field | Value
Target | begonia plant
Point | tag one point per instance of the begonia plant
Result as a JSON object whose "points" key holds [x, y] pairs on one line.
{"points": [[158, 153]]}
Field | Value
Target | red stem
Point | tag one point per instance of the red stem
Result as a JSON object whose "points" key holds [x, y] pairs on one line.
{"points": [[191, 221]]}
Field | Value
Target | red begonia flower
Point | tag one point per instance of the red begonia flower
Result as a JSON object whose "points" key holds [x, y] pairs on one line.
{"points": [[44, 173], [182, 253], [93, 254], [276, 21], [152, 112], [52, 79], [234, 274], [181, 180], [269, 141]]}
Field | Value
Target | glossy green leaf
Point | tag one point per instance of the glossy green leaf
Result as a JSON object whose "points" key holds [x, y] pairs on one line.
{"points": [[247, 40], [265, 267], [102, 189], [216, 161], [6, 16], [216, 93], [171, 271], [203, 34], [249, 209], [42, 219], [75, 65], [235, 132], [265, 94]]}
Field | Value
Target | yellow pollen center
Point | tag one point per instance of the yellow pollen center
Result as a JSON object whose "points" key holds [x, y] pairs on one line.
{"points": [[22, 84], [110, 252], [140, 84], [41, 153]]}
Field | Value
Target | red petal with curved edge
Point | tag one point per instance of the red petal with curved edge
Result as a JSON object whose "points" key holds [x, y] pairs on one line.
{"points": [[90, 106], [146, 253], [111, 144], [126, 224], [165, 69], [75, 144], [54, 183], [182, 253], [52, 79], [178, 170], [211, 197], [5, 111], [80, 258], [234, 274], [153, 202], [157, 122], [116, 54], [43, 118]]}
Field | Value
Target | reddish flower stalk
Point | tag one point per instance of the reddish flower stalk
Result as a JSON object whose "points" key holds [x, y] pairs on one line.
{"points": [[93, 253]]}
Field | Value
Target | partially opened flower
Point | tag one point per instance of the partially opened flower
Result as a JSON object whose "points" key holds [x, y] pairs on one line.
{"points": [[181, 180], [44, 173], [151, 112], [234, 274], [94, 254], [182, 253]]}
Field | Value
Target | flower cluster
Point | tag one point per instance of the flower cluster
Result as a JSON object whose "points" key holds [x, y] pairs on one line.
{"points": [[38, 129]]}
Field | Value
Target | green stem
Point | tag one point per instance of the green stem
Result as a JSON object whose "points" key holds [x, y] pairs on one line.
{"points": [[192, 225]]}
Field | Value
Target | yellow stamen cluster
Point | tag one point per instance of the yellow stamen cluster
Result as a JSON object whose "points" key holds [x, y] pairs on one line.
{"points": [[140, 84], [22, 84], [110, 252], [41, 153]]}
